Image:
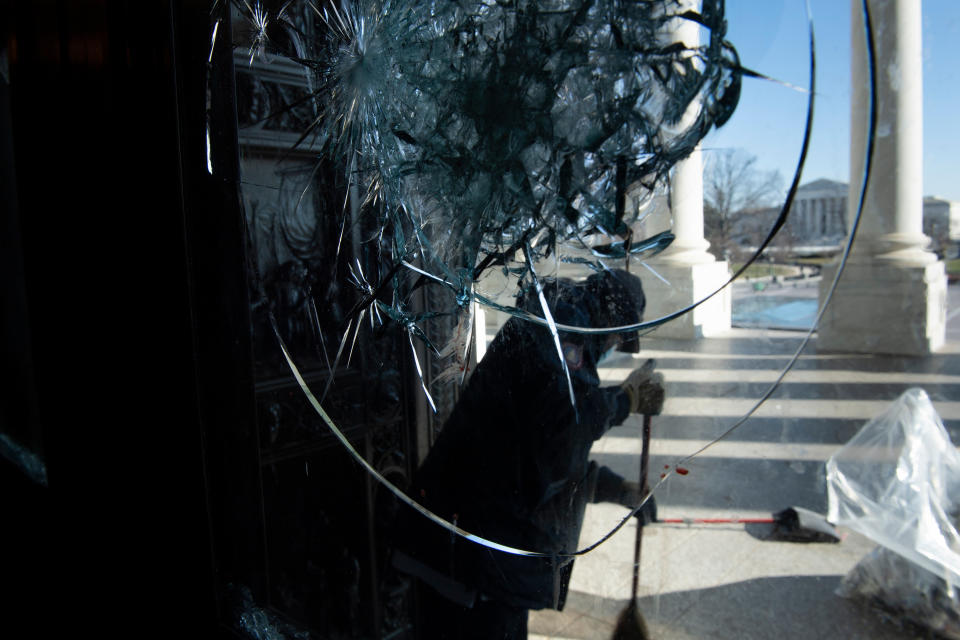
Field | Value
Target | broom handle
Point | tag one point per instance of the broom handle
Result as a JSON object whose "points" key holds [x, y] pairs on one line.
{"points": [[644, 490]]}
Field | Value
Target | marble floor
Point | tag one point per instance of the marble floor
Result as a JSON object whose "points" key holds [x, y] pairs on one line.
{"points": [[728, 580]]}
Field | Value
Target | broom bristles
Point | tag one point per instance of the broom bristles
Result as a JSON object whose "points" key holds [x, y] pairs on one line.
{"points": [[631, 625]]}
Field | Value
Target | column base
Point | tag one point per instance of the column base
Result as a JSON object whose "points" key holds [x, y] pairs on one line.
{"points": [[883, 307], [688, 283], [897, 249]]}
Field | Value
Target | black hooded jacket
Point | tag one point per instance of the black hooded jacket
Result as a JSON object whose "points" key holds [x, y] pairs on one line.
{"points": [[511, 463]]}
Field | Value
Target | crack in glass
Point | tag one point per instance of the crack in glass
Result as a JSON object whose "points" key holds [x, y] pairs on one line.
{"points": [[490, 137]]}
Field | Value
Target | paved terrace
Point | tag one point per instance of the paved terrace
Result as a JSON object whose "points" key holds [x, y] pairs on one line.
{"points": [[727, 581]]}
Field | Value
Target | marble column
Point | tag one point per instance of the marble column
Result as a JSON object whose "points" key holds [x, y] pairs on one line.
{"points": [[891, 296], [688, 272]]}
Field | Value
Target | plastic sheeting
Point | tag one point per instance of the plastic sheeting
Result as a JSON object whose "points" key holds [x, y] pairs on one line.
{"points": [[897, 483], [909, 595]]}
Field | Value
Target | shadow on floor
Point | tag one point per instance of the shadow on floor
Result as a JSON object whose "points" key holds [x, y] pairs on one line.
{"points": [[785, 608]]}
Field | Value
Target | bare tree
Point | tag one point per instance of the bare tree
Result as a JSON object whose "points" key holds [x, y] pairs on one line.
{"points": [[736, 200]]}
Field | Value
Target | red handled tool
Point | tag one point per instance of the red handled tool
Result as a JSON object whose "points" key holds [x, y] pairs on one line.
{"points": [[793, 524]]}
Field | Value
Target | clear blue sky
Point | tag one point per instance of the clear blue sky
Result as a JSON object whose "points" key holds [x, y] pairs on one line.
{"points": [[771, 36]]}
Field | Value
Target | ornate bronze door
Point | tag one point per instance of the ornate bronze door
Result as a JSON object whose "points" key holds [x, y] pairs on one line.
{"points": [[300, 530]]}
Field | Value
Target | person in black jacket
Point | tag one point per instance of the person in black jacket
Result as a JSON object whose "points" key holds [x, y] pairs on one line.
{"points": [[511, 463]]}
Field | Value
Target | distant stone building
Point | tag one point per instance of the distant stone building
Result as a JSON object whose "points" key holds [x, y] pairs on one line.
{"points": [[941, 221], [818, 216], [817, 222]]}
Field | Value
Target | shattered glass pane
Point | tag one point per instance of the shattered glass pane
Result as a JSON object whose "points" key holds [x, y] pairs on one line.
{"points": [[429, 186], [473, 139], [473, 129]]}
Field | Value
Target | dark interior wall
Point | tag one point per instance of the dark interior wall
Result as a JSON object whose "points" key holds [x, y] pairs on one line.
{"points": [[118, 542]]}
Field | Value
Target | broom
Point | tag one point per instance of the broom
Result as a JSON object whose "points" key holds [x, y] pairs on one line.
{"points": [[630, 624]]}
